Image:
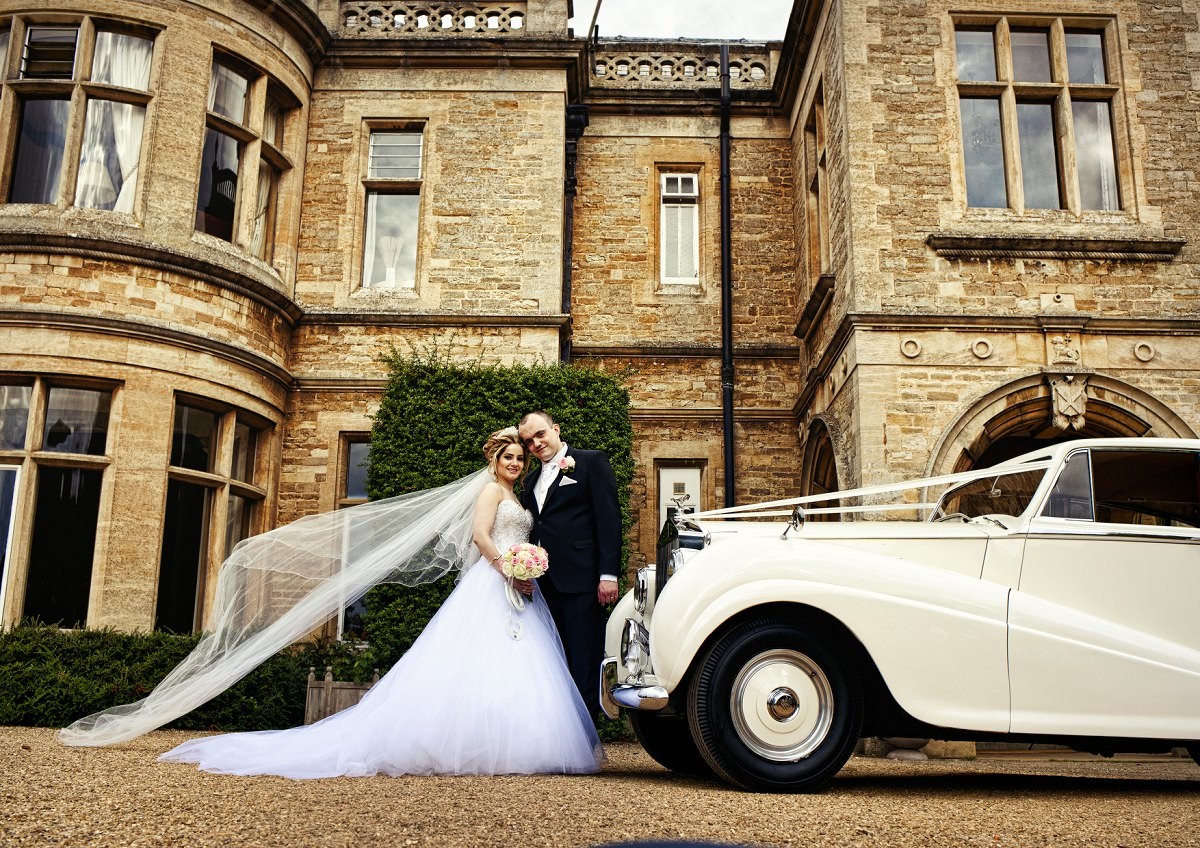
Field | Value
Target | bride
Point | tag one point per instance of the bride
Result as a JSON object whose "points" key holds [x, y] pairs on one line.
{"points": [[484, 690]]}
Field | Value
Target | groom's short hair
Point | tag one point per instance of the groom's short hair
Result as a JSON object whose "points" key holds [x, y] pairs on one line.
{"points": [[543, 413]]}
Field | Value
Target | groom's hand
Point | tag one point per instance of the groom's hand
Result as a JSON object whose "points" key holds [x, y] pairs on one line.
{"points": [[606, 593]]}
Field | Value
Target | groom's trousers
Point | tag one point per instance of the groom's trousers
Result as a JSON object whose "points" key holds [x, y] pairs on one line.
{"points": [[580, 622]]}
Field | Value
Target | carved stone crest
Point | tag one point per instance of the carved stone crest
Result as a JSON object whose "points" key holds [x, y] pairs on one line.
{"points": [[1064, 352], [1069, 395]]}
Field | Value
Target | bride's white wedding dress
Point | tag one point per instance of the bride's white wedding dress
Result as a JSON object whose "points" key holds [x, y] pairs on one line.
{"points": [[467, 698]]}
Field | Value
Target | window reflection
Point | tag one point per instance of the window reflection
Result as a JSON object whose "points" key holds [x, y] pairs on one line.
{"points": [[1094, 155], [14, 416], [243, 452], [76, 421], [227, 91], [40, 143], [1031, 56], [976, 54], [63, 545], [1085, 58], [217, 200], [983, 152], [192, 438], [1039, 155]]}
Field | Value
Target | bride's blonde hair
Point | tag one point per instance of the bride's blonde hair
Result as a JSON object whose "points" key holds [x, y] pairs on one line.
{"points": [[495, 445]]}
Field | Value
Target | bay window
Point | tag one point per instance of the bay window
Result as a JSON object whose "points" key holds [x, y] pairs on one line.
{"points": [[99, 67], [213, 494], [242, 159]]}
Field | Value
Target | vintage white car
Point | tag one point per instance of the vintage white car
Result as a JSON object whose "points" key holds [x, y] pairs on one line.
{"points": [[1050, 598]]}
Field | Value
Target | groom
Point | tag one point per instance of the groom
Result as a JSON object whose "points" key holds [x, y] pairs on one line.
{"points": [[577, 520]]}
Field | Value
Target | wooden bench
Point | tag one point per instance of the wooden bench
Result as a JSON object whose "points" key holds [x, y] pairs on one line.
{"points": [[328, 696]]}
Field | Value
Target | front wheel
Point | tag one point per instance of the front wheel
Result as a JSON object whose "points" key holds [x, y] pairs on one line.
{"points": [[668, 739], [775, 706]]}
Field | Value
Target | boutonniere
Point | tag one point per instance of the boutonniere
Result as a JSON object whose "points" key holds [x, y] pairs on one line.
{"points": [[566, 465]]}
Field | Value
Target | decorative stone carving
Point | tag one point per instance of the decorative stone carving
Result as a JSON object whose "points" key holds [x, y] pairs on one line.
{"points": [[911, 348], [1143, 351], [982, 349], [1065, 353], [1069, 396], [391, 19]]}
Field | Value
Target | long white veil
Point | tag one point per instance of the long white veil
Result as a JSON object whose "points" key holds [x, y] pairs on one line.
{"points": [[277, 588]]}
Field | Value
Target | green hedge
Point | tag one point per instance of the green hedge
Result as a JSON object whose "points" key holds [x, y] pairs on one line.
{"points": [[432, 420], [53, 677]]}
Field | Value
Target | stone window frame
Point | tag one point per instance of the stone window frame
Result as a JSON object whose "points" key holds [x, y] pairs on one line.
{"points": [[370, 185], [1058, 93], [818, 255], [660, 172], [345, 440], [78, 90], [27, 460], [257, 207], [222, 486]]}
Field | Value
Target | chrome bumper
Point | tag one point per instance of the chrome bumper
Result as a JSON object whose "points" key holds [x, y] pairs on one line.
{"points": [[614, 695]]}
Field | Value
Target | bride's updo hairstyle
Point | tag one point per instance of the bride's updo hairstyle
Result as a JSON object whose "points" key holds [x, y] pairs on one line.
{"points": [[495, 445]]}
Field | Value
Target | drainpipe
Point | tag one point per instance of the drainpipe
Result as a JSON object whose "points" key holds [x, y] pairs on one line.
{"points": [[726, 286], [577, 121]]}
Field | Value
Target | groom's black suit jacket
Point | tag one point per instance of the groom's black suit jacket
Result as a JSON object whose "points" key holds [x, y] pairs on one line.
{"points": [[579, 524]]}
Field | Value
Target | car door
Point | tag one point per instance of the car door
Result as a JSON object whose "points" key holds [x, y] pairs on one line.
{"points": [[1104, 636]]}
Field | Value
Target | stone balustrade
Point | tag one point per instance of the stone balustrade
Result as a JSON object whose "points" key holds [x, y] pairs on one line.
{"points": [[678, 64], [431, 20]]}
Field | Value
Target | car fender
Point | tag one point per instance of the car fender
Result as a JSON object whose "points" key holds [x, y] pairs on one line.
{"points": [[945, 662]]}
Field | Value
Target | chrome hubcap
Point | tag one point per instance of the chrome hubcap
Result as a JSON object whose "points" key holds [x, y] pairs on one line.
{"points": [[782, 705]]}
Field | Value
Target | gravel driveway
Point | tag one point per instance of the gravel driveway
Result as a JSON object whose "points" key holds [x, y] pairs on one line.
{"points": [[54, 795]]}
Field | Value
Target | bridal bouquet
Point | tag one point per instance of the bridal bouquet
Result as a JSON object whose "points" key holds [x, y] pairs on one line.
{"points": [[522, 561]]}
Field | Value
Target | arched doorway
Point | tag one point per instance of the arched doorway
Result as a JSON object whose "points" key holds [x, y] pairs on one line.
{"points": [[820, 468], [1029, 413]]}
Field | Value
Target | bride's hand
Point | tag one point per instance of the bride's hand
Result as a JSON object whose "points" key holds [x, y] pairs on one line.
{"points": [[525, 587]]}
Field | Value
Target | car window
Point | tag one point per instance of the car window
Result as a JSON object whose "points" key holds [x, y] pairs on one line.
{"points": [[1004, 494], [1146, 488], [1071, 496]]}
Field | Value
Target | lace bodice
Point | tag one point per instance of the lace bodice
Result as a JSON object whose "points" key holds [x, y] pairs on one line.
{"points": [[512, 524]]}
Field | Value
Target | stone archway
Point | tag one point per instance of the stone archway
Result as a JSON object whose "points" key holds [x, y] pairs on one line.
{"points": [[820, 467], [1050, 407]]}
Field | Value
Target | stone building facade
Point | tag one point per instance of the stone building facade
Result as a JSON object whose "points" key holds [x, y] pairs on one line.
{"points": [[895, 245]]}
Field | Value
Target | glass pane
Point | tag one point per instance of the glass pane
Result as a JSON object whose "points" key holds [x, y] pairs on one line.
{"points": [[983, 153], [679, 242], [395, 156], [227, 93], [108, 159], [193, 437], [390, 246], [1039, 156], [244, 441], [273, 123], [179, 568], [216, 204], [122, 60], [1155, 488], [1031, 55], [63, 545], [8, 495], [237, 521], [262, 239], [976, 53], [76, 421], [1094, 156], [4, 37], [1071, 496], [1085, 58], [39, 159], [356, 469], [14, 416], [49, 53]]}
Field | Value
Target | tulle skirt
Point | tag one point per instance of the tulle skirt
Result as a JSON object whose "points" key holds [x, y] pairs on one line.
{"points": [[470, 697]]}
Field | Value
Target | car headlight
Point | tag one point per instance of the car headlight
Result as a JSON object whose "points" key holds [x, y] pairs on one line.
{"points": [[642, 588], [635, 648]]}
